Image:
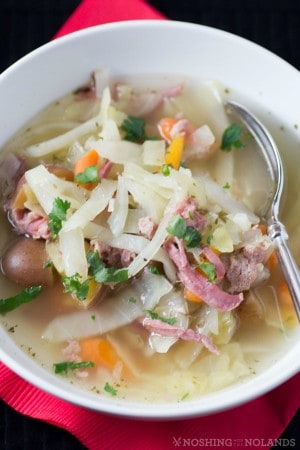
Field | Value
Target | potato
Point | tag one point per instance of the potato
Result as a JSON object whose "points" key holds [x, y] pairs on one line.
{"points": [[24, 262]]}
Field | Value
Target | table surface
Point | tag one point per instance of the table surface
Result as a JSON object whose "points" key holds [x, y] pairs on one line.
{"points": [[27, 24]]}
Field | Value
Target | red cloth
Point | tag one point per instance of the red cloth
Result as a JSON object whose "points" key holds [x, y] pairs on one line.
{"points": [[256, 424]]}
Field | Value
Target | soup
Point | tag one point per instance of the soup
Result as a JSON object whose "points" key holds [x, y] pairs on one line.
{"points": [[134, 262]]}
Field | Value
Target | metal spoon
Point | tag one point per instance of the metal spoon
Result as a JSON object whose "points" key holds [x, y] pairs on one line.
{"points": [[276, 230]]}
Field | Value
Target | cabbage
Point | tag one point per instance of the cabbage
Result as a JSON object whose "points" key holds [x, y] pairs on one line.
{"points": [[115, 311], [47, 187], [154, 153], [118, 217], [217, 195], [73, 256], [97, 202], [116, 151]]}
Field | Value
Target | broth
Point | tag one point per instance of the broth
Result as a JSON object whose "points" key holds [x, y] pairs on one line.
{"points": [[176, 346]]}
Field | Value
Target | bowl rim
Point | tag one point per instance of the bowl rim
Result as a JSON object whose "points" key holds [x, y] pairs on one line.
{"points": [[260, 383]]}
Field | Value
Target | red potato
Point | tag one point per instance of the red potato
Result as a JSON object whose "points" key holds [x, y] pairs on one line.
{"points": [[24, 263]]}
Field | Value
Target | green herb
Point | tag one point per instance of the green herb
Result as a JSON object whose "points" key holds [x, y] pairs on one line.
{"points": [[185, 396], [65, 367], [132, 300], [192, 237], [226, 185], [58, 215], [111, 390], [73, 285], [209, 270], [134, 128], [111, 275], [209, 239], [89, 175], [232, 137], [25, 296], [103, 274], [177, 227], [165, 169], [93, 317], [154, 269], [154, 315], [48, 264]]}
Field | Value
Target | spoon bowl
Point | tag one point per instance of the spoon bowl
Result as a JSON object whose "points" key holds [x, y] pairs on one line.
{"points": [[275, 228]]}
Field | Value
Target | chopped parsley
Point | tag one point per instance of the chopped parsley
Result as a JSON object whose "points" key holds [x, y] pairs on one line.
{"points": [[58, 215], [89, 175], [134, 128], [226, 185], [132, 300], [48, 264], [209, 270], [179, 229], [104, 274], [232, 137], [74, 285], [111, 390], [66, 366], [154, 315], [192, 237], [165, 169], [25, 296], [154, 270]]}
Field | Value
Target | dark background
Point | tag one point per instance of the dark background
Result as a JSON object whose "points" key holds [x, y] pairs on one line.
{"points": [[27, 24]]}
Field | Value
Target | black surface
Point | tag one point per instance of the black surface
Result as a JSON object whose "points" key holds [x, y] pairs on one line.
{"points": [[26, 24]]}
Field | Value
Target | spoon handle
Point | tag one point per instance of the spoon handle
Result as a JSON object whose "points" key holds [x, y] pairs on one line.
{"points": [[279, 236]]}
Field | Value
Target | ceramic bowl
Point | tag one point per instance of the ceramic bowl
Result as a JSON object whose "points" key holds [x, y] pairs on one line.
{"points": [[264, 82]]}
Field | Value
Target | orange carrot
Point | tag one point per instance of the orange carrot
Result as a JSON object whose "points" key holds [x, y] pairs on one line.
{"points": [[102, 353], [173, 155], [191, 297], [89, 159], [286, 305]]}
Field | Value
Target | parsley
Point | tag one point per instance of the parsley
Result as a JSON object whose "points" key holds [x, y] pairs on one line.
{"points": [[111, 390], [132, 300], [104, 274], [25, 296], [155, 316], [209, 239], [226, 185], [165, 169], [192, 237], [73, 285], [93, 317], [89, 175], [48, 264], [154, 269], [58, 215], [209, 270], [111, 275], [231, 138], [134, 128], [64, 367], [179, 229]]}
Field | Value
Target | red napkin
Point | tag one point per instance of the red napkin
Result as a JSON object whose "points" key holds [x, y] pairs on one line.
{"points": [[256, 424]]}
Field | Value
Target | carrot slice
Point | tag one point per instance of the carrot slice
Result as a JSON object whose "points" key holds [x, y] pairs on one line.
{"points": [[102, 353], [173, 155], [89, 159], [191, 297]]}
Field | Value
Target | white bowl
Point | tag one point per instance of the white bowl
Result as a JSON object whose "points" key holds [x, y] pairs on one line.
{"points": [[267, 84]]}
